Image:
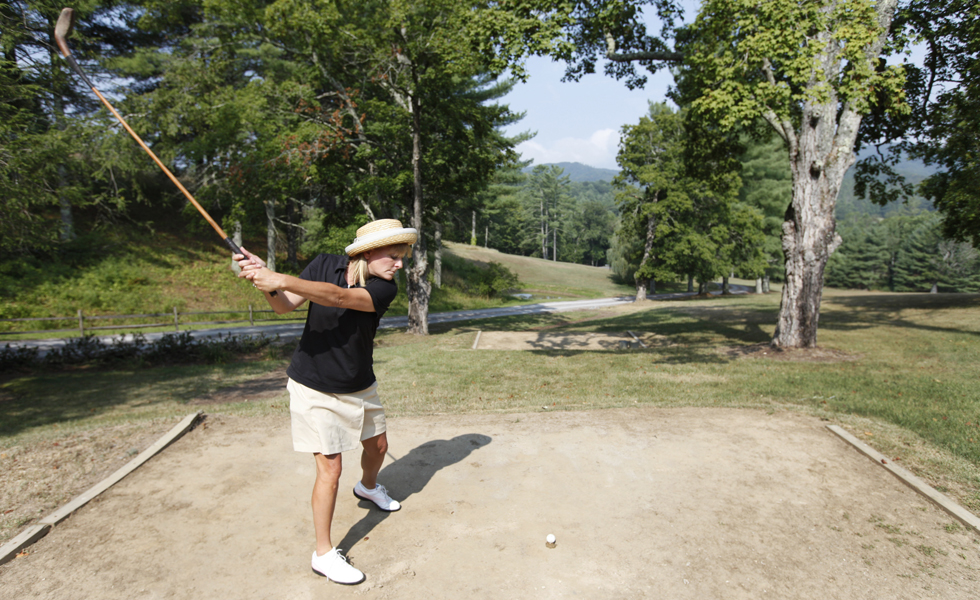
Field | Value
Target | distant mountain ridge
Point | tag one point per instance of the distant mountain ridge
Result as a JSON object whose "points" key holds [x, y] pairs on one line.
{"points": [[579, 173]]}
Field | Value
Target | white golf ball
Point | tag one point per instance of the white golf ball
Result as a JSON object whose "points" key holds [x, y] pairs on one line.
{"points": [[551, 538]]}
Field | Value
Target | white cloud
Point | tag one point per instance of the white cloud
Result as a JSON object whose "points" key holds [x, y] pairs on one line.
{"points": [[599, 150]]}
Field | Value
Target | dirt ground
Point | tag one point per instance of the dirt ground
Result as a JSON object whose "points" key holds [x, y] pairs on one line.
{"points": [[530, 340], [665, 503]]}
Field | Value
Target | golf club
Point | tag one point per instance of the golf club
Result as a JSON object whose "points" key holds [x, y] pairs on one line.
{"points": [[66, 20]]}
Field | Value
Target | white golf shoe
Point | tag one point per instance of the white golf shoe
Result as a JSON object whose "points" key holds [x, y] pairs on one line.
{"points": [[379, 495], [334, 566]]}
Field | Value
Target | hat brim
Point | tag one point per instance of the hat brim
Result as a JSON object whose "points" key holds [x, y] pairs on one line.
{"points": [[380, 239]]}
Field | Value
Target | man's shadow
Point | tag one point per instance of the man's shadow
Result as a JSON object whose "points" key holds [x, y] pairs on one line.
{"points": [[409, 474]]}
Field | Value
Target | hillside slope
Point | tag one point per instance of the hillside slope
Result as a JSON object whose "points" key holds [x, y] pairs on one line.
{"points": [[546, 277], [122, 274], [579, 173]]}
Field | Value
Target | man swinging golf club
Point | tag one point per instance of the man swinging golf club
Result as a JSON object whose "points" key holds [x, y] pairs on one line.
{"points": [[333, 393]]}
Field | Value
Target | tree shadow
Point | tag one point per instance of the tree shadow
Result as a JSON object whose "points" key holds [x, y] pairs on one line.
{"points": [[410, 474], [874, 310], [43, 398]]}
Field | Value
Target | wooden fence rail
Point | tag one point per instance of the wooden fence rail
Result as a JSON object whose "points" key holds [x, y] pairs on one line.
{"points": [[173, 319]]}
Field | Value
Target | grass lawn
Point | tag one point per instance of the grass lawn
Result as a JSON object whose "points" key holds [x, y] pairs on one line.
{"points": [[898, 370], [550, 278]]}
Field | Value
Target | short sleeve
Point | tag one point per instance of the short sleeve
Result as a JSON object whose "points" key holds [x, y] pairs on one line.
{"points": [[382, 292], [313, 269]]}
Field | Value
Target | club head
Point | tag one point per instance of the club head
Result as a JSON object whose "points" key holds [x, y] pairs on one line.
{"points": [[66, 20]]}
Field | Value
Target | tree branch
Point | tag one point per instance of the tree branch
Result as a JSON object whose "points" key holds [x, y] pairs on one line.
{"points": [[614, 56]]}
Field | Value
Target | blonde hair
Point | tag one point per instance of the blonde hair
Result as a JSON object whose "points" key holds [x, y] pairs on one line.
{"points": [[359, 264]]}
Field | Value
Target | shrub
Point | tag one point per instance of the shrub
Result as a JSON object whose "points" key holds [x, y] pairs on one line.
{"points": [[171, 348], [496, 279]]}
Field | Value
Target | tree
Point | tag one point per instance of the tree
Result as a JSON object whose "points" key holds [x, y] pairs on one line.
{"points": [[767, 186], [591, 227], [812, 83], [423, 50], [942, 128], [862, 261], [502, 207], [651, 158], [928, 262], [679, 201], [547, 198], [55, 153]]}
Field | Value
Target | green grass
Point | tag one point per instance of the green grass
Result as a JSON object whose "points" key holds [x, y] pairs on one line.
{"points": [[549, 278], [898, 369]]}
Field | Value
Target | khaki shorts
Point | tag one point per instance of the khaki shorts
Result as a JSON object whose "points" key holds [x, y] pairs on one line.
{"points": [[333, 423]]}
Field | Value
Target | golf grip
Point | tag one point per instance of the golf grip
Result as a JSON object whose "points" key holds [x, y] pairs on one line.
{"points": [[236, 250]]}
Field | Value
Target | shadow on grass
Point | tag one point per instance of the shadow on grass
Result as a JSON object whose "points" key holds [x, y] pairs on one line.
{"points": [[852, 313], [684, 335], [42, 399], [410, 474]]}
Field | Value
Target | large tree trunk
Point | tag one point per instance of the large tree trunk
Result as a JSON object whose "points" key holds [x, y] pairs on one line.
{"points": [[270, 233], [292, 233], [64, 204], [820, 154], [642, 283], [473, 230], [67, 233], [544, 232], [419, 288], [437, 266]]}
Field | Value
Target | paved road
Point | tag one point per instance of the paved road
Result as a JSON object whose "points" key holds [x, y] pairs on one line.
{"points": [[294, 329]]}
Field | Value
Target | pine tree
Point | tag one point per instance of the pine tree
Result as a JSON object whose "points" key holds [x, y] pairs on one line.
{"points": [[927, 262], [767, 185]]}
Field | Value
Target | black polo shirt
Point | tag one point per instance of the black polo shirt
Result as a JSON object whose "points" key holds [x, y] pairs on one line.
{"points": [[336, 353]]}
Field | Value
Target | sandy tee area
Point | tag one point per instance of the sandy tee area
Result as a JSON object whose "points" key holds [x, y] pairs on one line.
{"points": [[658, 503]]}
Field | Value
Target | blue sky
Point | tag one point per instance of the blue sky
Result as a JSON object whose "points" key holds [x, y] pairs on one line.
{"points": [[578, 121], [581, 121]]}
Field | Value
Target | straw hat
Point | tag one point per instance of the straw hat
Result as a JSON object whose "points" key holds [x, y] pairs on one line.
{"points": [[381, 233]]}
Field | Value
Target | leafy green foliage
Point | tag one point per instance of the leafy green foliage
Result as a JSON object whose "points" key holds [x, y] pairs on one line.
{"points": [[62, 168], [169, 349], [679, 212], [944, 128], [579, 33], [753, 66], [767, 187], [496, 279], [489, 280], [905, 253]]}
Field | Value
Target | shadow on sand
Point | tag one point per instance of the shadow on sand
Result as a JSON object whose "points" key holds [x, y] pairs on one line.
{"points": [[410, 474]]}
